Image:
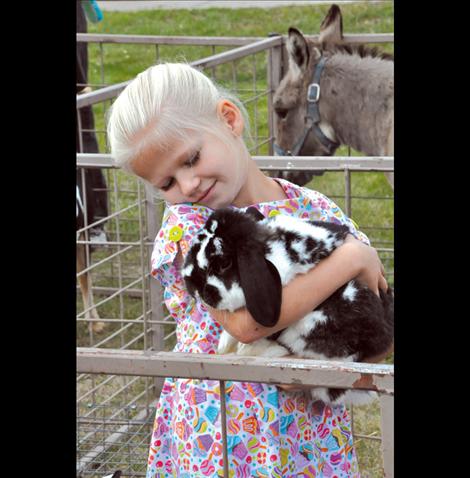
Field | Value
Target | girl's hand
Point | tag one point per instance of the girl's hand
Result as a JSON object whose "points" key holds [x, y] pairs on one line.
{"points": [[372, 272]]}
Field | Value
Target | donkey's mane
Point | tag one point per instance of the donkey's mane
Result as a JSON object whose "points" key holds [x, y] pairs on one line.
{"points": [[352, 49]]}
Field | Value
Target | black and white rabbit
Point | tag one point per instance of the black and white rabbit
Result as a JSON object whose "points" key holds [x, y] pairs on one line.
{"points": [[242, 259]]}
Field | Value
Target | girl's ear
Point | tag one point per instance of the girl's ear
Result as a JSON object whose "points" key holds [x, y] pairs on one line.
{"points": [[231, 116]]}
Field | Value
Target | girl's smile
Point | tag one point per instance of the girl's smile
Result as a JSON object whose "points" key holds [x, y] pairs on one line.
{"points": [[207, 193]]}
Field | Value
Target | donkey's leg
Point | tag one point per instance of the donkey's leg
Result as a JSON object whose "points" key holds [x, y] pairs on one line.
{"points": [[87, 291]]}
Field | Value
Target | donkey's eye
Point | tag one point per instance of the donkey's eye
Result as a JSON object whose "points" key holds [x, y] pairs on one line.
{"points": [[281, 112]]}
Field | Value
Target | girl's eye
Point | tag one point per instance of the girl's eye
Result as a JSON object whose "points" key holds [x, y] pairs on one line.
{"points": [[190, 162], [168, 185], [193, 160]]}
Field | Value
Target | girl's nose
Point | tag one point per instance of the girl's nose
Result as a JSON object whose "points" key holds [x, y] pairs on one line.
{"points": [[189, 183]]}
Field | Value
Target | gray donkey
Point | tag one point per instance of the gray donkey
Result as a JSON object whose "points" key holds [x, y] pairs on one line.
{"points": [[332, 94]]}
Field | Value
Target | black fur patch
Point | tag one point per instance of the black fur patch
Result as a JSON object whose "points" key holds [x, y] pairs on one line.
{"points": [[211, 295], [363, 327], [335, 393]]}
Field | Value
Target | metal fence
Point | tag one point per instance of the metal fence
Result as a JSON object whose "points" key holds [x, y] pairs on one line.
{"points": [[120, 363]]}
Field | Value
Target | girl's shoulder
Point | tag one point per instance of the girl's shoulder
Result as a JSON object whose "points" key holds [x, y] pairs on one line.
{"points": [[293, 190], [306, 195], [187, 219], [311, 204], [180, 223]]}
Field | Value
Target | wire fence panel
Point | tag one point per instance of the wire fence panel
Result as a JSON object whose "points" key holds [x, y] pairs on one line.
{"points": [[114, 434], [124, 310]]}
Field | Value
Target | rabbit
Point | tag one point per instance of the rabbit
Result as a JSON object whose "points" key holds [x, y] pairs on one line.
{"points": [[242, 259]]}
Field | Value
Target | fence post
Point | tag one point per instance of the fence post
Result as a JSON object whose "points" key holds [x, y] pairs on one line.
{"points": [[156, 291], [274, 78], [347, 190], [223, 422], [386, 408]]}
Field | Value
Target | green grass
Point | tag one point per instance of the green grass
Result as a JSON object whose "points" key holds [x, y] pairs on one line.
{"points": [[123, 62], [357, 18]]}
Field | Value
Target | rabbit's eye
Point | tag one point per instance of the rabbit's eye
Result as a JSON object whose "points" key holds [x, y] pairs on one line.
{"points": [[225, 264]]}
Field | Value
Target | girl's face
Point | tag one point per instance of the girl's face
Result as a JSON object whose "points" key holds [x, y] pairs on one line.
{"points": [[205, 170]]}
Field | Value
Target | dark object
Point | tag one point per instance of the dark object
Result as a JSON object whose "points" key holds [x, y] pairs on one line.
{"points": [[95, 184]]}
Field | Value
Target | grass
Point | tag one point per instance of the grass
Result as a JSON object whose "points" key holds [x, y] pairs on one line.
{"points": [[123, 62]]}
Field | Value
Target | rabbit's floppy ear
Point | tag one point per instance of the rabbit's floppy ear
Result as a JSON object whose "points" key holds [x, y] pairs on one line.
{"points": [[261, 286]]}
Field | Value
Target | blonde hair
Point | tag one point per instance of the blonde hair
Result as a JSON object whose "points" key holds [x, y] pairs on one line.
{"points": [[163, 104]]}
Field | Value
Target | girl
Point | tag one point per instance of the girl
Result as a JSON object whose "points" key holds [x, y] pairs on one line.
{"points": [[178, 131]]}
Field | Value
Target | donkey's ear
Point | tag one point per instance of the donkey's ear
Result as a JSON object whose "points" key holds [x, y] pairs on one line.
{"points": [[254, 213], [331, 29], [297, 49]]}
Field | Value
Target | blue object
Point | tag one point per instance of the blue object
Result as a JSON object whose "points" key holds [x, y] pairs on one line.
{"points": [[92, 11]]}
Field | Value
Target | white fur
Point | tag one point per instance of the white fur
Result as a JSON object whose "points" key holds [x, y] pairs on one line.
{"points": [[293, 336], [351, 397], [303, 327], [281, 260], [350, 292], [218, 246], [201, 257], [259, 348], [214, 226], [227, 344], [301, 250], [232, 298], [303, 228], [358, 397], [186, 271], [262, 348]]}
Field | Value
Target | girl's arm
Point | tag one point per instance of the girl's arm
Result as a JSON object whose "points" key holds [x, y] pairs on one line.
{"points": [[306, 292]]}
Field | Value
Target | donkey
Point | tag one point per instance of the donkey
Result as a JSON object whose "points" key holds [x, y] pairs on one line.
{"points": [[332, 94]]}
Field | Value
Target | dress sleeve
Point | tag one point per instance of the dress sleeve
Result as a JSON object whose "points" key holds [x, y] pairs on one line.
{"points": [[180, 224], [331, 212]]}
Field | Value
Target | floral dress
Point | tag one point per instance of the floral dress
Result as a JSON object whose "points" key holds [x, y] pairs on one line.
{"points": [[270, 432]]}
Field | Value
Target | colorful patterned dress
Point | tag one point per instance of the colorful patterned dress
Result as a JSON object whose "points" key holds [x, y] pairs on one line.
{"points": [[271, 433]]}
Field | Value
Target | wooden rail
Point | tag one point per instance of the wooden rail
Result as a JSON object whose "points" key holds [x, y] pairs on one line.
{"points": [[364, 376]]}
